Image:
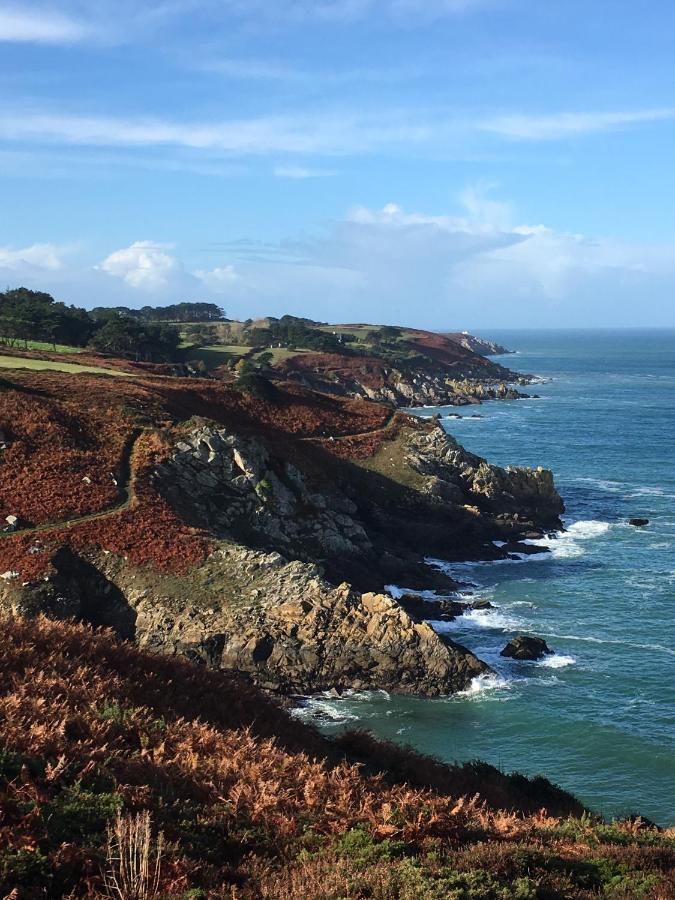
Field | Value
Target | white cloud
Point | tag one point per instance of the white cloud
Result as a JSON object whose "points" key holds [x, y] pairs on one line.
{"points": [[39, 26], [219, 280], [143, 265], [37, 256], [301, 172], [470, 268], [570, 124], [303, 134], [306, 135]]}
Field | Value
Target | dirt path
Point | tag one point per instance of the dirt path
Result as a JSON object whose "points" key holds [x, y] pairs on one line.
{"points": [[379, 429], [126, 480]]}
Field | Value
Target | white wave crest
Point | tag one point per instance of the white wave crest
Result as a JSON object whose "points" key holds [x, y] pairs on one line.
{"points": [[569, 544], [486, 684], [556, 662], [316, 708]]}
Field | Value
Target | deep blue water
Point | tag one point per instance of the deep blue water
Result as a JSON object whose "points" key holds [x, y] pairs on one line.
{"points": [[599, 716]]}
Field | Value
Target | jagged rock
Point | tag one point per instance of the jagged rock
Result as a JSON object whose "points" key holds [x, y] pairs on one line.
{"points": [[526, 647], [278, 622], [420, 609]]}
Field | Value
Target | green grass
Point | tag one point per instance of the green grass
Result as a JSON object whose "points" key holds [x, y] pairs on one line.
{"points": [[44, 345], [42, 365], [279, 354]]}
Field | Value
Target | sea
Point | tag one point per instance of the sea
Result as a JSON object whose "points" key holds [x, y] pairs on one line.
{"points": [[598, 716]]}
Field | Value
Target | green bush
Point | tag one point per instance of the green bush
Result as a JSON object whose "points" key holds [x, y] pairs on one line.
{"points": [[79, 816]]}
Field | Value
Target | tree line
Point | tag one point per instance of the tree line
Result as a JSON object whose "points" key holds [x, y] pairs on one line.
{"points": [[144, 334]]}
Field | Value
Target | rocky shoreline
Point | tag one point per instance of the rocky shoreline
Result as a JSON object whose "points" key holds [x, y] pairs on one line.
{"points": [[304, 542]]}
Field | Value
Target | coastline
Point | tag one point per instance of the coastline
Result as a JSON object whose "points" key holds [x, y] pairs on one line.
{"points": [[600, 597]]}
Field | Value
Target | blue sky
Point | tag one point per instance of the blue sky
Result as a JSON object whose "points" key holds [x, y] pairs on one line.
{"points": [[445, 163]]}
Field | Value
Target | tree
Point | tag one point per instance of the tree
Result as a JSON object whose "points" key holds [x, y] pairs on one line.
{"points": [[127, 337]]}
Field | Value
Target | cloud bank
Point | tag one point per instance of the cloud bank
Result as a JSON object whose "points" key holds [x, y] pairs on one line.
{"points": [[470, 269]]}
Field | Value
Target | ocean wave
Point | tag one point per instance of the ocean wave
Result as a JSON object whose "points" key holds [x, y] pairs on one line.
{"points": [[568, 544], [651, 492], [556, 661], [485, 685], [604, 484], [590, 639], [497, 619], [315, 708]]}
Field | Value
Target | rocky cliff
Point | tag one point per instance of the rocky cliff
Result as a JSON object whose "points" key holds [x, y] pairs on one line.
{"points": [[279, 622], [267, 551], [477, 344]]}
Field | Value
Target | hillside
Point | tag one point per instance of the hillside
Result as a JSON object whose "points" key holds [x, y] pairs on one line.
{"points": [[230, 797], [253, 534], [397, 366]]}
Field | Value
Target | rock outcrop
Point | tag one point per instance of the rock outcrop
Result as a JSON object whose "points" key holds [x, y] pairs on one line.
{"points": [[526, 647], [292, 523], [455, 475], [276, 621]]}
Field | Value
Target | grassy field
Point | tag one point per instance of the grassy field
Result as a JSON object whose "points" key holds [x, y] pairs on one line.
{"points": [[280, 354], [44, 345], [42, 365]]}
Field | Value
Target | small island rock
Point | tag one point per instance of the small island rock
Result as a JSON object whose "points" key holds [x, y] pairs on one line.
{"points": [[526, 647], [638, 523]]}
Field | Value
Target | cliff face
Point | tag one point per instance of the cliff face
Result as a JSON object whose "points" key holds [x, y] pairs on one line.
{"points": [[477, 344], [267, 551], [276, 621], [454, 502]]}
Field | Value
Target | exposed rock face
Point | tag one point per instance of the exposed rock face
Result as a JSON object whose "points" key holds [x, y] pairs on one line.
{"points": [[476, 344], [526, 647], [462, 477], [425, 389], [229, 483], [289, 519], [423, 384], [256, 613]]}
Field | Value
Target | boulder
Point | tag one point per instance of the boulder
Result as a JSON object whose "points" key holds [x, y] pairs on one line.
{"points": [[526, 647], [638, 523]]}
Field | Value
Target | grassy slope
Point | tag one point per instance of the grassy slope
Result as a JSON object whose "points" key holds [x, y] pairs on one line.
{"points": [[42, 365], [45, 345], [256, 805]]}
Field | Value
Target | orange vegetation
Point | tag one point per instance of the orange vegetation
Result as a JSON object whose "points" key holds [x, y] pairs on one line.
{"points": [[68, 464], [251, 803]]}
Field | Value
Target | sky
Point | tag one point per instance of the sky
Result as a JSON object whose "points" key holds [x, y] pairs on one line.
{"points": [[463, 164]]}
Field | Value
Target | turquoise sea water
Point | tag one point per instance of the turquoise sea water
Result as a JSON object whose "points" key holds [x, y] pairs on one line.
{"points": [[599, 716]]}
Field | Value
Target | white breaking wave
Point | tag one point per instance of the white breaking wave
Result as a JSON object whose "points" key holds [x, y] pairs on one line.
{"points": [[488, 683], [569, 544], [556, 662], [323, 709]]}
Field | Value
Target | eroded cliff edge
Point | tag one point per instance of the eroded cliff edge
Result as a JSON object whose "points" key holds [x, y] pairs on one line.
{"points": [[302, 535]]}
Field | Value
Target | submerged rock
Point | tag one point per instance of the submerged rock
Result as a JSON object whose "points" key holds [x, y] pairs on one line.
{"points": [[526, 647]]}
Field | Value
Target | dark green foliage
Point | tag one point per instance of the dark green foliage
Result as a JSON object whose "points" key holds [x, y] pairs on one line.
{"points": [[27, 315], [175, 312], [256, 385], [24, 869], [77, 815], [123, 336], [289, 331]]}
